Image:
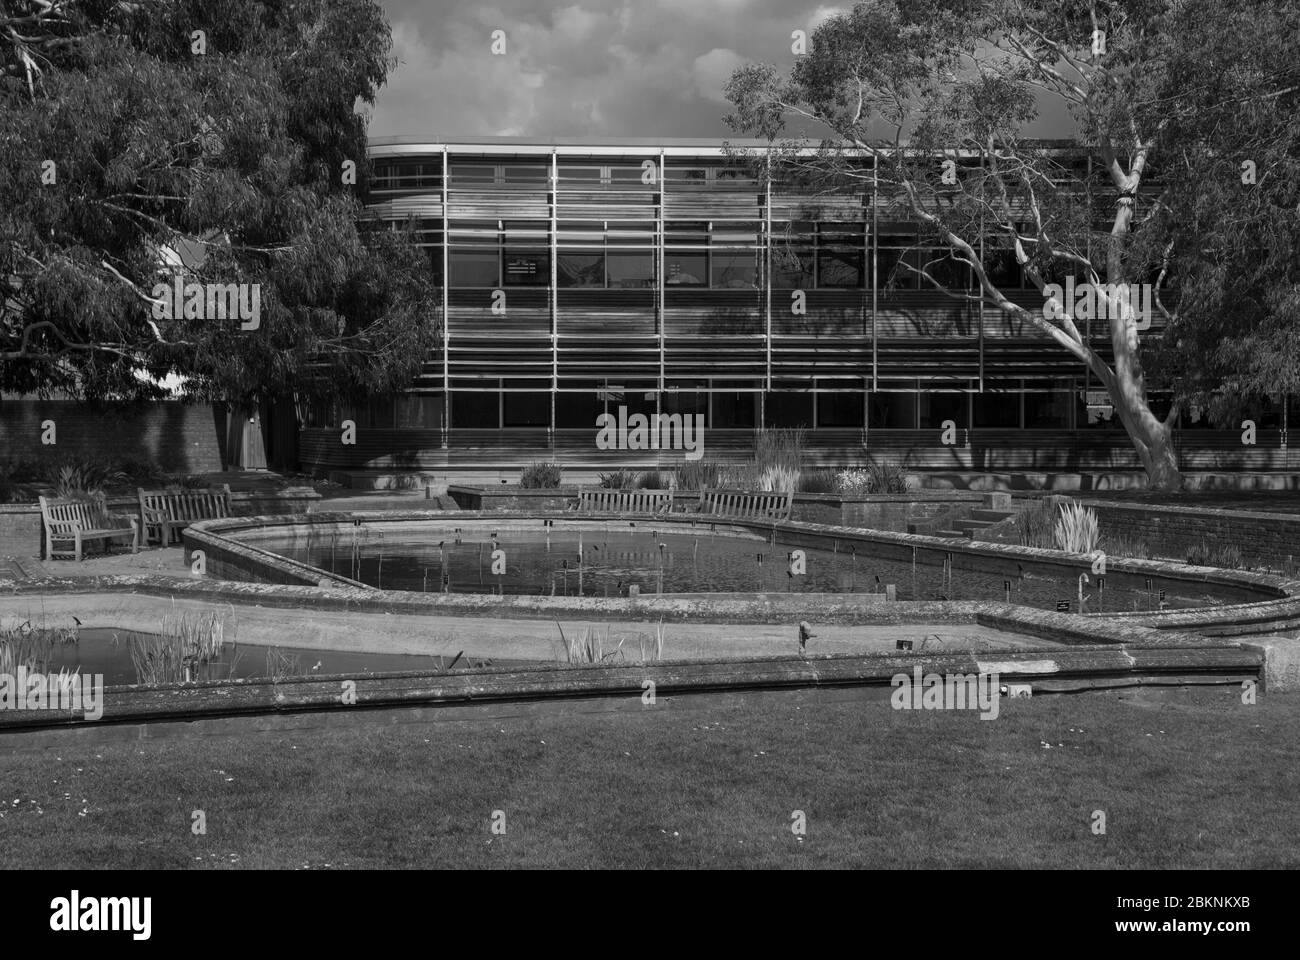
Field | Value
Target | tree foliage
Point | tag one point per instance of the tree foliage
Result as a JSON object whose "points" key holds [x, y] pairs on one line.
{"points": [[208, 139], [1162, 105]]}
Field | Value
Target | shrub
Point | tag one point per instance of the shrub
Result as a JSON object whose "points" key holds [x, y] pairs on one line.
{"points": [[741, 476], [781, 447], [1207, 553], [889, 476], [537, 476], [1077, 530], [700, 474], [653, 480], [84, 477], [878, 476], [818, 481], [776, 479], [620, 480], [1036, 525], [1122, 545], [854, 483], [141, 472], [778, 459]]}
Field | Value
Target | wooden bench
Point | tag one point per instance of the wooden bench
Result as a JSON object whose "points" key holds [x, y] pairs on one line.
{"points": [[745, 506], [625, 501], [165, 513], [78, 522]]}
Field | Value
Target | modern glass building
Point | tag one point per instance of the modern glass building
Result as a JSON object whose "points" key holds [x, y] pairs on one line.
{"points": [[578, 277]]}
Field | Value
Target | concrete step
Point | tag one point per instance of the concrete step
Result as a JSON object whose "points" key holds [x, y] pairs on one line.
{"points": [[992, 516], [951, 534]]}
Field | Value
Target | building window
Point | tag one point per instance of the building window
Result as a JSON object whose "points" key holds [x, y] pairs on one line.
{"points": [[474, 269], [1002, 269], [471, 173], [527, 268], [628, 176], [734, 270], [995, 410], [526, 409], [686, 269], [527, 174], [950, 274], [580, 268], [840, 409], [1049, 410], [578, 411], [734, 410], [892, 411], [475, 410], [788, 410], [631, 269], [936, 408], [792, 269], [419, 411], [839, 267], [581, 175]]}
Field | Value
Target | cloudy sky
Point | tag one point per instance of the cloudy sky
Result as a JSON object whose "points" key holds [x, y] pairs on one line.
{"points": [[616, 68]]}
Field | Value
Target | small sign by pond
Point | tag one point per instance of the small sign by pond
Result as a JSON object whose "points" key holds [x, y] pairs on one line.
{"points": [[1062, 606]]}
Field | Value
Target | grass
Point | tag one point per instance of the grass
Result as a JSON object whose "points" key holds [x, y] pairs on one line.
{"points": [[1187, 779]]}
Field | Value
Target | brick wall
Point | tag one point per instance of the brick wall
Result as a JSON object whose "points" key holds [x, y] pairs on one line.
{"points": [[1264, 539], [179, 437]]}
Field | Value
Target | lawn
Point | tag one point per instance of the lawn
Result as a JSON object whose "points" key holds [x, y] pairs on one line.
{"points": [[1186, 778]]}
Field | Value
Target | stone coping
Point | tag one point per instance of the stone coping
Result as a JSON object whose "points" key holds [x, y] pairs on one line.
{"points": [[1080, 665], [1267, 586], [1279, 598]]}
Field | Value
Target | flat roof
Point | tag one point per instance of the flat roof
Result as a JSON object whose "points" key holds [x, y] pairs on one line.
{"points": [[595, 146]]}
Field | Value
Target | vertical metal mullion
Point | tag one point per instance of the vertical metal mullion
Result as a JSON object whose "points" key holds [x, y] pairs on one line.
{"points": [[875, 264], [980, 303], [554, 296], [659, 266], [446, 311], [767, 265]]}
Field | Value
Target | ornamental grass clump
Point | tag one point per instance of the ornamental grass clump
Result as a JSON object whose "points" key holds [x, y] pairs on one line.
{"points": [[1077, 530]]}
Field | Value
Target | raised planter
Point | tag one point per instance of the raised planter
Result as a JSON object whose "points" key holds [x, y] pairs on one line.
{"points": [[892, 511], [512, 497]]}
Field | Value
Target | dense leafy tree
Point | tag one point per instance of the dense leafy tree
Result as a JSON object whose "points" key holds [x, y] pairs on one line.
{"points": [[209, 140], [1165, 98]]}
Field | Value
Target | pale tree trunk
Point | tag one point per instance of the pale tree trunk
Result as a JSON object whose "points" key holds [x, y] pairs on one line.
{"points": [[1152, 438]]}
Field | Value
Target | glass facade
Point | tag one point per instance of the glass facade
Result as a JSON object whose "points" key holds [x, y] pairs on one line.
{"points": [[674, 279]]}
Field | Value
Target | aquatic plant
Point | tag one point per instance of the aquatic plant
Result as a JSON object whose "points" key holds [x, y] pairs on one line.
{"points": [[187, 649], [1077, 530]]}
